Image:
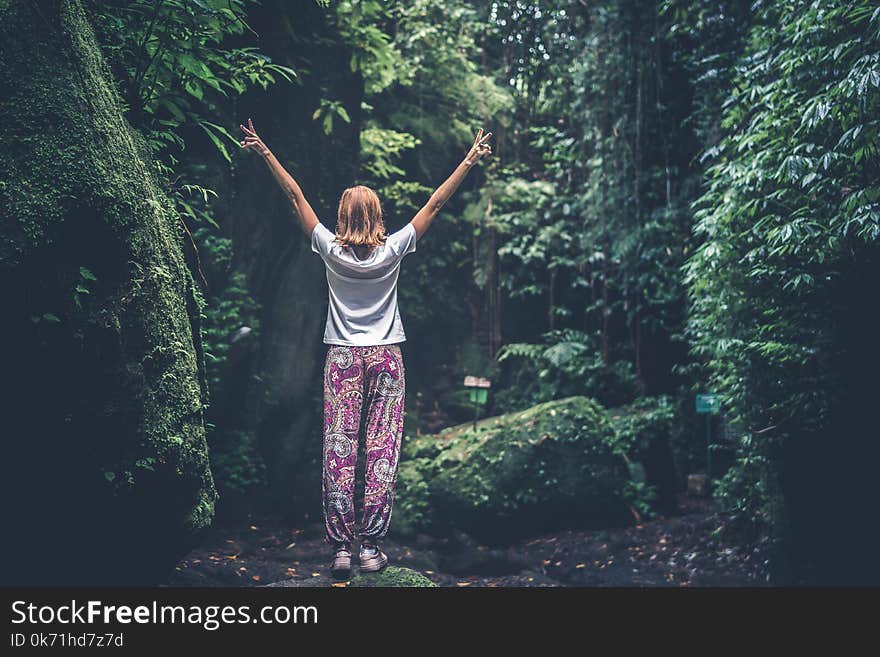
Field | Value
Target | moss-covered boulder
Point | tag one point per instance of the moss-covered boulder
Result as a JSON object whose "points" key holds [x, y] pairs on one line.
{"points": [[557, 464], [388, 577], [106, 471]]}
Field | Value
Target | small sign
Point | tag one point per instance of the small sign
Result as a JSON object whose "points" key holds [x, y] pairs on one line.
{"points": [[708, 403], [479, 392]]}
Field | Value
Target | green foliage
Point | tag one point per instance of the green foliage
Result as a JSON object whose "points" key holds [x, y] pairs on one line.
{"points": [[533, 244], [172, 63], [791, 202], [380, 149], [413, 511], [644, 421], [327, 111], [238, 467], [567, 362], [440, 95], [235, 458], [361, 24], [231, 308], [589, 209]]}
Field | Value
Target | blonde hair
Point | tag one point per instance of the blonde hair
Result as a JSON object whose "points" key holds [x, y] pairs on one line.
{"points": [[359, 218]]}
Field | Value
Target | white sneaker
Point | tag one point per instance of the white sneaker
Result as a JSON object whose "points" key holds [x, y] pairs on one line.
{"points": [[372, 558]]}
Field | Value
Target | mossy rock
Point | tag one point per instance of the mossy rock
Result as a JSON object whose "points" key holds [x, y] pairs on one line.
{"points": [[557, 464], [391, 576], [388, 577], [104, 439]]}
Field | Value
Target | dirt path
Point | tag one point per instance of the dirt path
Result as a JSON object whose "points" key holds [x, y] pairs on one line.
{"points": [[692, 548]]}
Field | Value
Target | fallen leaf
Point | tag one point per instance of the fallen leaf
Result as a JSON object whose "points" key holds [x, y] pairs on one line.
{"points": [[581, 565], [256, 578], [463, 583]]}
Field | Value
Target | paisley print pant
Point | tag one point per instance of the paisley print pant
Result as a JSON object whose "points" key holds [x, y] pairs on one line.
{"points": [[368, 382]]}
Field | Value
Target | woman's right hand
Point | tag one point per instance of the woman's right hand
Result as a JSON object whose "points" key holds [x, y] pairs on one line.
{"points": [[252, 140], [479, 149]]}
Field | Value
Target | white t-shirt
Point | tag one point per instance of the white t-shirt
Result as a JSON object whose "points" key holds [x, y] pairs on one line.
{"points": [[363, 292]]}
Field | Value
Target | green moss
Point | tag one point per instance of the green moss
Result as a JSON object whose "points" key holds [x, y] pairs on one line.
{"points": [[642, 422], [79, 189], [391, 576], [557, 463], [412, 499]]}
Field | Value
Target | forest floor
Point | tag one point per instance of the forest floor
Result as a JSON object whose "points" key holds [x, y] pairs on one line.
{"points": [[691, 548]]}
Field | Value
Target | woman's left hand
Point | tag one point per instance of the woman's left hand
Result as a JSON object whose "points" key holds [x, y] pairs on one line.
{"points": [[252, 140], [480, 148]]}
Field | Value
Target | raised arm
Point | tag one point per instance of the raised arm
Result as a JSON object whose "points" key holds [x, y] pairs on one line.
{"points": [[426, 215], [307, 217]]}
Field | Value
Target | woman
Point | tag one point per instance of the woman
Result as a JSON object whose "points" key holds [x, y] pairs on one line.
{"points": [[363, 368]]}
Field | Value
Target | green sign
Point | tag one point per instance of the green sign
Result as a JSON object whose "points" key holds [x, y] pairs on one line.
{"points": [[708, 403], [479, 395], [478, 387]]}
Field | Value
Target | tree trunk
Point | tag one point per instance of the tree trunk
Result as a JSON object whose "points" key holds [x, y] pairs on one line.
{"points": [[107, 466]]}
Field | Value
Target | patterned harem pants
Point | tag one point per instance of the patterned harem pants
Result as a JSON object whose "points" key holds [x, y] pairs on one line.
{"points": [[358, 381]]}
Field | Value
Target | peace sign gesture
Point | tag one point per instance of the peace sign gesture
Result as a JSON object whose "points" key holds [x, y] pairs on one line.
{"points": [[479, 149], [252, 140]]}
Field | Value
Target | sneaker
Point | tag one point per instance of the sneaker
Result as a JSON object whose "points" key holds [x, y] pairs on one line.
{"points": [[341, 565], [372, 558]]}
